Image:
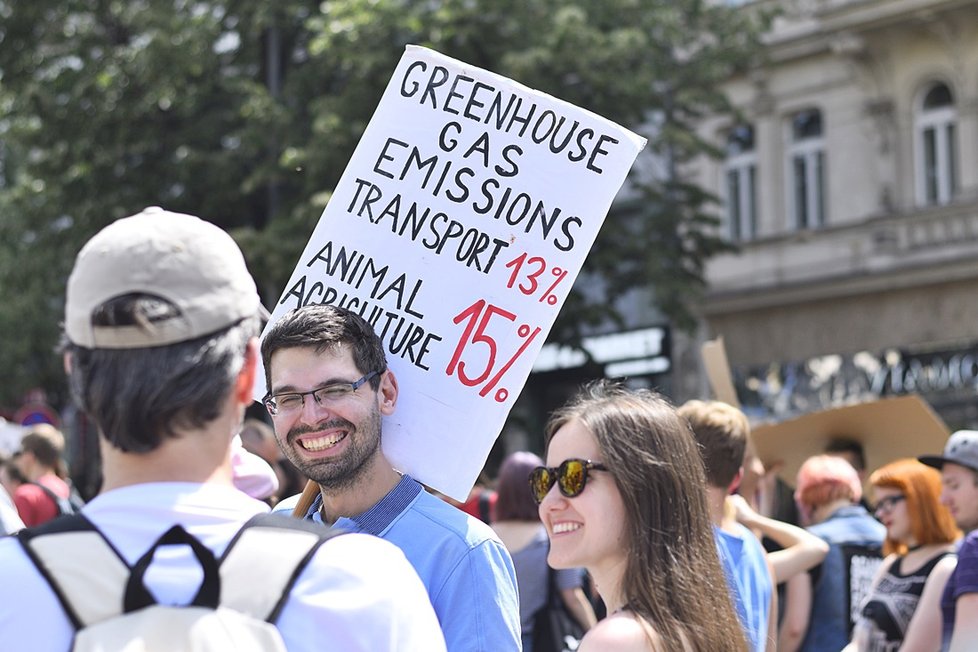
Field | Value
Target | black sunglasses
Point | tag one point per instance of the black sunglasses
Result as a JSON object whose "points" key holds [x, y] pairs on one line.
{"points": [[570, 477], [888, 503]]}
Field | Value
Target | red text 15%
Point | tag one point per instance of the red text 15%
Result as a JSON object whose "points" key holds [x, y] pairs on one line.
{"points": [[477, 317]]}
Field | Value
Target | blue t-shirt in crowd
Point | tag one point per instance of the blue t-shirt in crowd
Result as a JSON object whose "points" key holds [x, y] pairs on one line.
{"points": [[750, 582]]}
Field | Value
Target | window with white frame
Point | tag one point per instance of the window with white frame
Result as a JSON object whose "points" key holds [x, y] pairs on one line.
{"points": [[740, 171], [806, 169], [935, 146]]}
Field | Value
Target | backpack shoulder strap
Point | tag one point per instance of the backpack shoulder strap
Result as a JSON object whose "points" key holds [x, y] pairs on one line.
{"points": [[64, 505], [276, 548], [65, 550]]}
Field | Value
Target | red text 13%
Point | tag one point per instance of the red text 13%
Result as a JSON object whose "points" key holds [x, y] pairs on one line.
{"points": [[477, 317], [533, 267]]}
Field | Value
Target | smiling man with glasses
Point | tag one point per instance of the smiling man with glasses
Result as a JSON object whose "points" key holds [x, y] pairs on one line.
{"points": [[290, 402], [329, 388]]}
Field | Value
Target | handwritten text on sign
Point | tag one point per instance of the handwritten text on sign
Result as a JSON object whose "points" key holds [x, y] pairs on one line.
{"points": [[456, 231]]}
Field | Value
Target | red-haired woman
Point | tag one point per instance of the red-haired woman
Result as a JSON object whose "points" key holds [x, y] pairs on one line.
{"points": [[903, 607]]}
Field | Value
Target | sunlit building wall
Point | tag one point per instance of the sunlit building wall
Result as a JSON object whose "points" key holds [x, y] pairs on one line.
{"points": [[851, 187]]}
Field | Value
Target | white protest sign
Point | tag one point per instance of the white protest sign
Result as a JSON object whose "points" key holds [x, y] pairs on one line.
{"points": [[457, 230]]}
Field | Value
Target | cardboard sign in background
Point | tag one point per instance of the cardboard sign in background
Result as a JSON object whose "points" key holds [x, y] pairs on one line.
{"points": [[888, 429], [718, 371], [457, 231]]}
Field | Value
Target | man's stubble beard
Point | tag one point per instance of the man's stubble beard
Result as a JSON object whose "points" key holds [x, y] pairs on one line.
{"points": [[348, 470]]}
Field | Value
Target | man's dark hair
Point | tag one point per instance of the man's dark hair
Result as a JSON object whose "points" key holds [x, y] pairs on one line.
{"points": [[322, 328], [13, 471], [851, 446], [139, 396]]}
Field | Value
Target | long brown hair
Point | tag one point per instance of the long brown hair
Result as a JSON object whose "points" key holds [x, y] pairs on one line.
{"points": [[673, 577]]}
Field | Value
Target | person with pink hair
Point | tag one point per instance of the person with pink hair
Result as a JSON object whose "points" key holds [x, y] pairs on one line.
{"points": [[820, 605]]}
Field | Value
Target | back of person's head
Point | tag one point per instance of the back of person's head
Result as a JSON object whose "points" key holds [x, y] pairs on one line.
{"points": [[322, 328], [47, 445], [850, 450], [722, 432], [930, 522], [825, 479], [673, 566], [514, 500], [159, 312]]}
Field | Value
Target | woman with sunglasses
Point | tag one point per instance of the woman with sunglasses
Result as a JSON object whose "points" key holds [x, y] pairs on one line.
{"points": [[902, 609], [518, 525], [629, 505]]}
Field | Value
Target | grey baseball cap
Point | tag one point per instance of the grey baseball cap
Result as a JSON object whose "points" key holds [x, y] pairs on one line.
{"points": [[191, 263], [961, 448]]}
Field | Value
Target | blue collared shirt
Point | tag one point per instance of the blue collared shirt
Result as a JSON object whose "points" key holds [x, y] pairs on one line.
{"points": [[464, 566]]}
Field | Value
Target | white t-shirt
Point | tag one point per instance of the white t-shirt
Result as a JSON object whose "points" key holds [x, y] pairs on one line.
{"points": [[9, 519], [357, 593]]}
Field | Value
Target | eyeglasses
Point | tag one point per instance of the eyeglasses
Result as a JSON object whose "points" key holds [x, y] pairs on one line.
{"points": [[329, 395], [888, 503], [570, 477]]}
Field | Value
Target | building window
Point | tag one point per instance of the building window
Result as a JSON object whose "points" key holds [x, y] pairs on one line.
{"points": [[741, 172], [806, 173], [935, 136]]}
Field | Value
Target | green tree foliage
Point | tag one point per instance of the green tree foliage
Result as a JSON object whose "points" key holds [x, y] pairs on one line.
{"points": [[246, 112], [107, 107]]}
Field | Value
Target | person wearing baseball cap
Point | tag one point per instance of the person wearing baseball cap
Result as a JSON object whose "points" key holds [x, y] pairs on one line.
{"points": [[161, 349], [959, 475], [959, 478]]}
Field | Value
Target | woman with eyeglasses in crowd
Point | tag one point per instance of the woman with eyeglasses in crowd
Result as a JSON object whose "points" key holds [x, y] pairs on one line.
{"points": [[629, 505], [902, 610]]}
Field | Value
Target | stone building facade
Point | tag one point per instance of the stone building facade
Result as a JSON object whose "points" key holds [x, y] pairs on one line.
{"points": [[851, 187]]}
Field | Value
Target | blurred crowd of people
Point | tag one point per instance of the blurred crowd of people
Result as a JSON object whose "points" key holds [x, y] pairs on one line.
{"points": [[649, 526], [844, 570]]}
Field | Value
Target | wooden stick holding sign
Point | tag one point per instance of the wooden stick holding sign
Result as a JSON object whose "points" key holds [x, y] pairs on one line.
{"points": [[306, 499], [457, 231]]}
